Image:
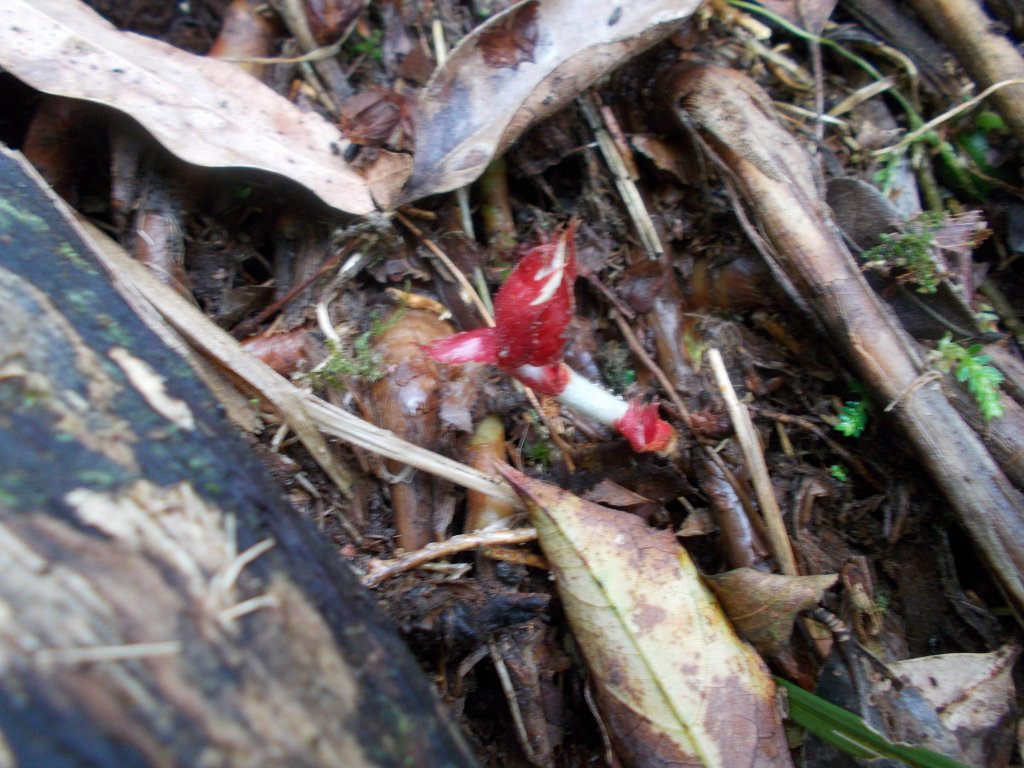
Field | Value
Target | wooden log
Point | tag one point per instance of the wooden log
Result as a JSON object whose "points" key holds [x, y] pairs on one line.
{"points": [[160, 602]]}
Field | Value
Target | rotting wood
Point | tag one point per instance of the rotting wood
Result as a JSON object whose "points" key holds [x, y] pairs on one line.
{"points": [[161, 604], [777, 182]]}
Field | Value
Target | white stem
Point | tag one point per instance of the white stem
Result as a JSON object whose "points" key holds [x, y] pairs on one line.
{"points": [[592, 400]]}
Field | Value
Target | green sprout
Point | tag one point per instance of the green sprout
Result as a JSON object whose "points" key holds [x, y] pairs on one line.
{"points": [[839, 472], [853, 418], [368, 45], [539, 453], [359, 361], [881, 601], [970, 365], [617, 368]]}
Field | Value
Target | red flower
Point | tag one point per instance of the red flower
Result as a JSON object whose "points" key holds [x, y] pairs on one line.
{"points": [[531, 312], [536, 303]]}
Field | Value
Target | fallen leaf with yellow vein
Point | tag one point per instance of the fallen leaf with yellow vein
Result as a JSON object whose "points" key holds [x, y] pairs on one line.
{"points": [[674, 684]]}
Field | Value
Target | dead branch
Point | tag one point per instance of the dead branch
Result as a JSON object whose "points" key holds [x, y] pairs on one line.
{"points": [[777, 181]]}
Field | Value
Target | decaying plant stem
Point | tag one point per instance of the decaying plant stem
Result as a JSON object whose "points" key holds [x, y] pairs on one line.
{"points": [[776, 180], [987, 55], [750, 444]]}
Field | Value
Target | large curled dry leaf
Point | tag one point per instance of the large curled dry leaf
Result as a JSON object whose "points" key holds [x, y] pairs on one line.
{"points": [[674, 684], [205, 111], [516, 69]]}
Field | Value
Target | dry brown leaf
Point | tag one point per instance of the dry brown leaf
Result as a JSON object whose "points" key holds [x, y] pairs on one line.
{"points": [[376, 117], [674, 684], [612, 494], [328, 19], [974, 695], [810, 15], [763, 606], [513, 39], [205, 111], [516, 69]]}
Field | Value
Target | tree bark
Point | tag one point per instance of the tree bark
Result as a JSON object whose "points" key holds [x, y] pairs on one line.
{"points": [[161, 604]]}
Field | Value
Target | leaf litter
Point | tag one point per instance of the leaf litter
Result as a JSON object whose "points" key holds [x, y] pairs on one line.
{"points": [[205, 111], [629, 592]]}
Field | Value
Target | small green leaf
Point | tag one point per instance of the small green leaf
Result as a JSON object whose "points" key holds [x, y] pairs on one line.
{"points": [[853, 418], [970, 366]]}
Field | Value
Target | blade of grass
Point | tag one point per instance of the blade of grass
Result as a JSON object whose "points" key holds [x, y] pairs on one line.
{"points": [[848, 732]]}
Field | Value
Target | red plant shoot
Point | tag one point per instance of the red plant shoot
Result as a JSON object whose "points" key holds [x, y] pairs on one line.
{"points": [[531, 313]]}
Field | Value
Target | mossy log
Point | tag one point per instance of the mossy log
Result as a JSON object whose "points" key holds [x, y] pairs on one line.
{"points": [[160, 602]]}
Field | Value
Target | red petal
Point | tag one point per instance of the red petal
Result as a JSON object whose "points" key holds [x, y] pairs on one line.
{"points": [[479, 346], [536, 303], [644, 429]]}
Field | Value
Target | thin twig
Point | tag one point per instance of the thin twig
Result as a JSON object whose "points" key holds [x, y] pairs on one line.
{"points": [[946, 116], [627, 187], [103, 653], [317, 54], [512, 697], [225, 580], [462, 193], [457, 274], [244, 608], [778, 539], [916, 384], [293, 13], [382, 570], [637, 349]]}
